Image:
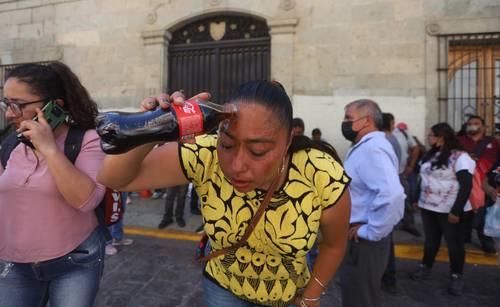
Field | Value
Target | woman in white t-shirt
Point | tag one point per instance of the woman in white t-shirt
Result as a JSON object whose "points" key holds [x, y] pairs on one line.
{"points": [[446, 172]]}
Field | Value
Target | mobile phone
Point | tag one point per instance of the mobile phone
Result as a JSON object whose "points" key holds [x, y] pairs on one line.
{"points": [[53, 113]]}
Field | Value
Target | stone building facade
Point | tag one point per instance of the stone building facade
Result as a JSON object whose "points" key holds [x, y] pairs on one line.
{"points": [[326, 53]]}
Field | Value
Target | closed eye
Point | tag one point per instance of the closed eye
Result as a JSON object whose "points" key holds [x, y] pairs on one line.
{"points": [[258, 154], [226, 146]]}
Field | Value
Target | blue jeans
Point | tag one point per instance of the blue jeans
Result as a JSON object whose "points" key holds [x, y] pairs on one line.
{"points": [[216, 296], [116, 230], [70, 280]]}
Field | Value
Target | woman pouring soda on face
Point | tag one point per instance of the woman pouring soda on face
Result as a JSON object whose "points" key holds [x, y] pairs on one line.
{"points": [[264, 195]]}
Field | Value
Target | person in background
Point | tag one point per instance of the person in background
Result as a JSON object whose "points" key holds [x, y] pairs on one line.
{"points": [[388, 125], [446, 173], [316, 138], [194, 202], [298, 126], [407, 164], [174, 193], [116, 232], [316, 135], [51, 245], [484, 150], [491, 187], [377, 204], [159, 193], [253, 153], [413, 179], [389, 281]]}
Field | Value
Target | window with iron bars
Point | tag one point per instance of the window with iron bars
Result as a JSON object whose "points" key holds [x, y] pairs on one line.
{"points": [[4, 70], [469, 78]]}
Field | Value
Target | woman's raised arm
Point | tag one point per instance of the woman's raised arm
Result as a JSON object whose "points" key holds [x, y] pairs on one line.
{"points": [[143, 168]]}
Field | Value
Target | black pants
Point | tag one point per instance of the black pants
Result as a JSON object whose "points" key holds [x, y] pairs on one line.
{"points": [[178, 192], [437, 225], [408, 218], [194, 200]]}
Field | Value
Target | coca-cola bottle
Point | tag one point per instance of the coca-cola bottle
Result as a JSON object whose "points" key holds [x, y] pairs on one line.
{"points": [[122, 131]]}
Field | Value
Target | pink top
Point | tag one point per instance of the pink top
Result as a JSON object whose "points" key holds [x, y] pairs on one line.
{"points": [[36, 223]]}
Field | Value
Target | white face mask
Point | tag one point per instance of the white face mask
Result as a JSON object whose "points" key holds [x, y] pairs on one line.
{"points": [[473, 129]]}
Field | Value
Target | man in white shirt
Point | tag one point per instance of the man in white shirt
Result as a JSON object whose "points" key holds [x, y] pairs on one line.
{"points": [[377, 203]]}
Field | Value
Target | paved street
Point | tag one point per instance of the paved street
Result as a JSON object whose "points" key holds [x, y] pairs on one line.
{"points": [[157, 272]]}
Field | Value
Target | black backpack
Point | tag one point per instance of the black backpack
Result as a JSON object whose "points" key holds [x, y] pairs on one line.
{"points": [[109, 211]]}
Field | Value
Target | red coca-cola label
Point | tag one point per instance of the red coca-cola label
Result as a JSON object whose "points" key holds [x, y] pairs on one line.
{"points": [[190, 118]]}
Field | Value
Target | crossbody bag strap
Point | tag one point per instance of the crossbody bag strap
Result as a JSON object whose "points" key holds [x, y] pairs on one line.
{"points": [[251, 226]]}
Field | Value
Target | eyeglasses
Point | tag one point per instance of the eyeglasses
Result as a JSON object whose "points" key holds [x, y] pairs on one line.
{"points": [[16, 106]]}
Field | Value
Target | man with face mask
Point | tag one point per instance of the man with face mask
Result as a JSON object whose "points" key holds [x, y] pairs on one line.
{"points": [[377, 199], [484, 150]]}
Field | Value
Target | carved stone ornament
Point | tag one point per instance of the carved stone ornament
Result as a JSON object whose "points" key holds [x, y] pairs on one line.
{"points": [[152, 17], [214, 2], [217, 30], [432, 28], [287, 4]]}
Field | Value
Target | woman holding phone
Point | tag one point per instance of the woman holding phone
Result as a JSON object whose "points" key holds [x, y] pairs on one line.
{"points": [[51, 248]]}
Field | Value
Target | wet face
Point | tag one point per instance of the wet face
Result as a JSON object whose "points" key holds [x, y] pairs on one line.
{"points": [[252, 147], [21, 93]]}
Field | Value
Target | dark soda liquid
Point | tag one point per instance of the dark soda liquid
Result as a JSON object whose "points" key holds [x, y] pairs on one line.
{"points": [[122, 131]]}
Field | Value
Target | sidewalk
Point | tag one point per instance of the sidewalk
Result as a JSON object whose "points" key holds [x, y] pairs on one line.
{"points": [[148, 212]]}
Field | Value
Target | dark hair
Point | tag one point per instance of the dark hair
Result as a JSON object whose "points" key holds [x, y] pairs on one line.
{"points": [[269, 94], [476, 117], [451, 143], [316, 131], [387, 118], [272, 95], [298, 122], [57, 81]]}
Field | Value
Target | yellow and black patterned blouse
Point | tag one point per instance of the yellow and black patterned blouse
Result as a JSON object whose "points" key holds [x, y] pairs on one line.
{"points": [[272, 265]]}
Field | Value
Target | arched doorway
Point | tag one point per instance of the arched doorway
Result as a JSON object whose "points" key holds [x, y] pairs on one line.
{"points": [[218, 53]]}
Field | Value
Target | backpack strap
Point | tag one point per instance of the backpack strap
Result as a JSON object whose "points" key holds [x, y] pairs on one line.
{"points": [[73, 143], [72, 147], [6, 148]]}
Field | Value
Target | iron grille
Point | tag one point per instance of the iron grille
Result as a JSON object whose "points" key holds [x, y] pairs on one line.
{"points": [[219, 66], [469, 78]]}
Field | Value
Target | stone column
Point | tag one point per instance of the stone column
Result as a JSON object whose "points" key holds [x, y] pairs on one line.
{"points": [[156, 60], [282, 33]]}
